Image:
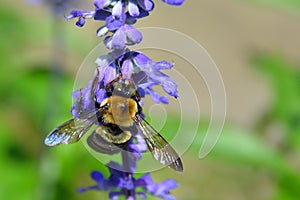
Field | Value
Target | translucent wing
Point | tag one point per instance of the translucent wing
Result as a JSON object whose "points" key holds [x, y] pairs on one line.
{"points": [[72, 130], [158, 146]]}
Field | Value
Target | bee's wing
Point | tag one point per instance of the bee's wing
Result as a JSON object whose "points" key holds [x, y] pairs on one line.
{"points": [[72, 130], [159, 147]]}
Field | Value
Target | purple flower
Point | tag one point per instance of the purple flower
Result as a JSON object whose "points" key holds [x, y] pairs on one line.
{"points": [[135, 7], [125, 35], [102, 183], [136, 65], [118, 15], [82, 15], [84, 97], [120, 183], [116, 11], [113, 13], [161, 190], [153, 76]]}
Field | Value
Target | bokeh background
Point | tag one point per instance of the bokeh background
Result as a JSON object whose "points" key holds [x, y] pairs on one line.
{"points": [[255, 45]]}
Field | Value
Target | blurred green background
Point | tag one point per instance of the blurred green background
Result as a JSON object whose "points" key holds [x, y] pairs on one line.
{"points": [[256, 46]]}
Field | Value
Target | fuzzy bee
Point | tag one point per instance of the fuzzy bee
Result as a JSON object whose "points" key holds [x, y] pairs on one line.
{"points": [[117, 117]]}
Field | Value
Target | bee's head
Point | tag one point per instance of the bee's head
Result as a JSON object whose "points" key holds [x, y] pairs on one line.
{"points": [[123, 89]]}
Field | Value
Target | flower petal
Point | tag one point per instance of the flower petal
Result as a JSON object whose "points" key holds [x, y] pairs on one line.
{"points": [[174, 2], [102, 14], [146, 5], [127, 69], [140, 145], [143, 62], [110, 74], [126, 183], [80, 13], [133, 35], [154, 95], [118, 9], [165, 186], [133, 9], [161, 65], [97, 176], [164, 100], [144, 180], [102, 31], [100, 95], [118, 39], [101, 3], [130, 19], [170, 87], [113, 24]]}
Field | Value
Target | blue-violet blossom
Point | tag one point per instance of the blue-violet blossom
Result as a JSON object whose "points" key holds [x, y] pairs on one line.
{"points": [[137, 65], [118, 183], [119, 16]]}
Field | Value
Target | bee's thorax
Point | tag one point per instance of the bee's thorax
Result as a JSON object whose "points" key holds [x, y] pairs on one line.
{"points": [[120, 110]]}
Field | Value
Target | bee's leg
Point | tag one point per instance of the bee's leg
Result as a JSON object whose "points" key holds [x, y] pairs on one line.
{"points": [[113, 81]]}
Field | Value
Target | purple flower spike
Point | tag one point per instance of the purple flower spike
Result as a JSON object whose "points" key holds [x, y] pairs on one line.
{"points": [[120, 185], [122, 65]]}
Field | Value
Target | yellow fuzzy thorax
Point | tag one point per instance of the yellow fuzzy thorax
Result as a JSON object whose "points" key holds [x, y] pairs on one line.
{"points": [[121, 111]]}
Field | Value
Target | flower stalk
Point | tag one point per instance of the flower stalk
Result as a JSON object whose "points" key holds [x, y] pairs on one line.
{"points": [[125, 66]]}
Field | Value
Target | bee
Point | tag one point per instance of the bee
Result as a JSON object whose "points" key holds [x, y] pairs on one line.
{"points": [[118, 117]]}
